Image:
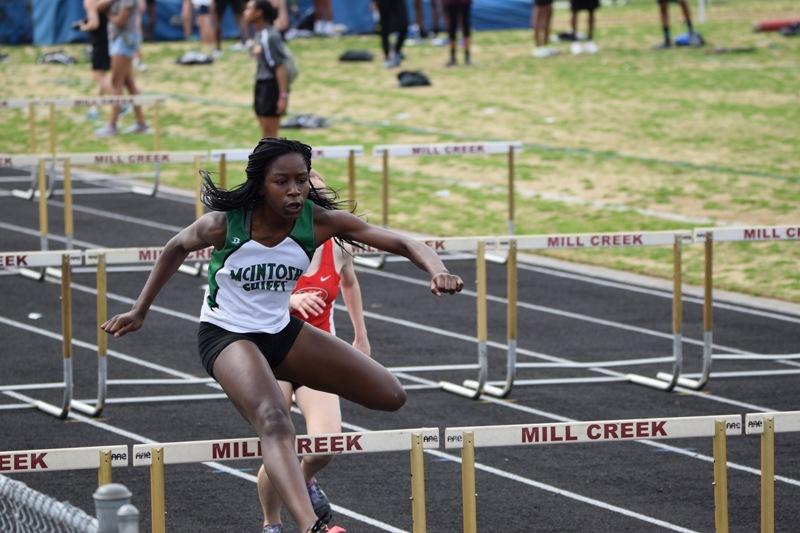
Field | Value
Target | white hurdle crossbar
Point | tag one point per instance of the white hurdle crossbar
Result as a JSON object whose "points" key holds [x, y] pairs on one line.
{"points": [[718, 427], [103, 458], [766, 425], [156, 455], [450, 150], [708, 236]]}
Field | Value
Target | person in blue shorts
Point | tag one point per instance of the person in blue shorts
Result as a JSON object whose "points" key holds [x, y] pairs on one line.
{"points": [[264, 233], [124, 40]]}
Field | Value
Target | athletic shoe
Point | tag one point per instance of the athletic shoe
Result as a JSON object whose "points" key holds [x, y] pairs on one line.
{"points": [[320, 502], [238, 46], [143, 129], [106, 131], [575, 48], [273, 528], [590, 47], [663, 46], [392, 62]]}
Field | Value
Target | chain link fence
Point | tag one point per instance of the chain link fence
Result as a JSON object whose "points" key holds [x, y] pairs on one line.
{"points": [[24, 510]]}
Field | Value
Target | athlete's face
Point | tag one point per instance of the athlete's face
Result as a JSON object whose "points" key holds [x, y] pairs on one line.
{"points": [[286, 185]]}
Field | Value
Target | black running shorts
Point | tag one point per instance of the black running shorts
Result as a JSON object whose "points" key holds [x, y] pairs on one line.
{"points": [[212, 339], [265, 98]]}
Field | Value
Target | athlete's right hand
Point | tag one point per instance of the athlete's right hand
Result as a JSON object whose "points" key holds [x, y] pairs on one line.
{"points": [[308, 304], [121, 324]]}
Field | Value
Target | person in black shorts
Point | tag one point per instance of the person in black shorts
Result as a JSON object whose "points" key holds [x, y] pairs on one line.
{"points": [[694, 38], [237, 7], [96, 26], [246, 337], [583, 5], [271, 91], [394, 19], [150, 28]]}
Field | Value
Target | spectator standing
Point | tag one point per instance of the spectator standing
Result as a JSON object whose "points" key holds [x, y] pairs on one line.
{"points": [[96, 26], [589, 6], [150, 28], [459, 12], [394, 19], [323, 17], [124, 41], [271, 90], [237, 7], [663, 6], [541, 20]]}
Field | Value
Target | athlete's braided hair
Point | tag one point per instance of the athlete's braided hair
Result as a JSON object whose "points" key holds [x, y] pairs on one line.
{"points": [[248, 193]]}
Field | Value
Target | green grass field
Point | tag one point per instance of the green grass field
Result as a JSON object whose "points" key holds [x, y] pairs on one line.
{"points": [[628, 139]]}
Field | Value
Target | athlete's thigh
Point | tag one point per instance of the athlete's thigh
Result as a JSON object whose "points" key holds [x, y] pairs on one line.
{"points": [[245, 376], [320, 409], [324, 362]]}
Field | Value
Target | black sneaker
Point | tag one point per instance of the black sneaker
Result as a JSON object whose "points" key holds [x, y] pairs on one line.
{"points": [[320, 502]]}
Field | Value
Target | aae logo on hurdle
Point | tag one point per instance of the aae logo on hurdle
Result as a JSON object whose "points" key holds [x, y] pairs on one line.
{"points": [[250, 448], [598, 431], [61, 459]]}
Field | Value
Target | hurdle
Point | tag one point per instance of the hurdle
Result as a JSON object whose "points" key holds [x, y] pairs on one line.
{"points": [[766, 425], [157, 455], [349, 152], [717, 427], [103, 458], [44, 259], [446, 149], [474, 388], [81, 101], [708, 236]]}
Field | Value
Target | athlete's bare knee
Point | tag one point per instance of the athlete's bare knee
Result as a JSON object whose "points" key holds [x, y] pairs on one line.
{"points": [[272, 422]]}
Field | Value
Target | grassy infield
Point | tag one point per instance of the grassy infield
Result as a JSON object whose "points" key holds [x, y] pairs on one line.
{"points": [[617, 141]]}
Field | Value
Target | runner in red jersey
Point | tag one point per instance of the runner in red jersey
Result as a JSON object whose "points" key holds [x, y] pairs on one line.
{"points": [[330, 270]]}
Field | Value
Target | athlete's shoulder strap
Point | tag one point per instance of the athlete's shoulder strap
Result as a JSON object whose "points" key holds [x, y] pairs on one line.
{"points": [[303, 231]]}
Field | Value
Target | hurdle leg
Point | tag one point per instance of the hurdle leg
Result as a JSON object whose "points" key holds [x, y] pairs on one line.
{"points": [[474, 389], [720, 446], [351, 178], [197, 269], [32, 128], [418, 517], [157, 506], [104, 472], [68, 222], [511, 328], [768, 476], [380, 260], [38, 275], [157, 126], [66, 334], [511, 190], [52, 128], [102, 345], [664, 381], [468, 489]]}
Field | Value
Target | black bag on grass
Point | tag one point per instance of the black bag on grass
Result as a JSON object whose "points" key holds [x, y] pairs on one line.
{"points": [[416, 78], [356, 55]]}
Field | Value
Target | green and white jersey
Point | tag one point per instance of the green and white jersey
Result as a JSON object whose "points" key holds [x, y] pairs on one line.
{"points": [[249, 284]]}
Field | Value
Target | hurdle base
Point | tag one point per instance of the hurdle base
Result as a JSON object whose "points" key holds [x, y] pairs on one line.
{"points": [[369, 262], [460, 390], [84, 408], [683, 382], [500, 259], [491, 390], [653, 383], [36, 275], [58, 412], [24, 195]]}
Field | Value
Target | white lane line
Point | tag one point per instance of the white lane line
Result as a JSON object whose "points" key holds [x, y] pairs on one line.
{"points": [[560, 313], [216, 466], [510, 405]]}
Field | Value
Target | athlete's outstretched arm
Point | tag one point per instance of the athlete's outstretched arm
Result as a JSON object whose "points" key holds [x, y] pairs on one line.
{"points": [[208, 230], [331, 223]]}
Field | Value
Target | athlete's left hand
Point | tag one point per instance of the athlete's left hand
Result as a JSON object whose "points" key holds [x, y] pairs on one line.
{"points": [[446, 283]]}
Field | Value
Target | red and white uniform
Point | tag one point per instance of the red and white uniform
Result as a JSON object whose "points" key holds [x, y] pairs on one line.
{"points": [[325, 282]]}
